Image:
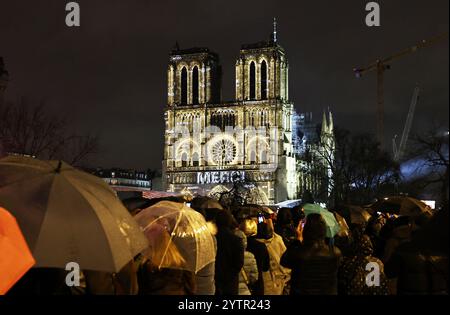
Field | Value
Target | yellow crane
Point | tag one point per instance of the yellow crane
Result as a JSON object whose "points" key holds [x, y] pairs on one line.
{"points": [[382, 64]]}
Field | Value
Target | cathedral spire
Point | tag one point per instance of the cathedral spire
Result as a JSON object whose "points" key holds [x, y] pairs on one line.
{"points": [[274, 34], [324, 124], [331, 124]]}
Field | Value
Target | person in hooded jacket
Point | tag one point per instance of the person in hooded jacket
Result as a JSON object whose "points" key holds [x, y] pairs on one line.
{"points": [[353, 273], [276, 279]]}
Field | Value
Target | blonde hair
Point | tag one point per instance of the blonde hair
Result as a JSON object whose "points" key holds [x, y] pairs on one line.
{"points": [[162, 252], [249, 227]]}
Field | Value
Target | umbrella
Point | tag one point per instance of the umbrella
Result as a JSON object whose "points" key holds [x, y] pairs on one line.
{"points": [[67, 215], [331, 222], [344, 230], [207, 206], [203, 203], [15, 258], [249, 211], [400, 205], [136, 203], [179, 236], [355, 214]]}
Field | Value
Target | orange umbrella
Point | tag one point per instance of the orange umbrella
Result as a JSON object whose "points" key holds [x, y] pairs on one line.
{"points": [[15, 258]]}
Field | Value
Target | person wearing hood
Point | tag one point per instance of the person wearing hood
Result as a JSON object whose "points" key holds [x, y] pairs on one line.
{"points": [[249, 272], [276, 279], [352, 273]]}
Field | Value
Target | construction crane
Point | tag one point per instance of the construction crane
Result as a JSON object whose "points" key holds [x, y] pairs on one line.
{"points": [[400, 150], [383, 64]]}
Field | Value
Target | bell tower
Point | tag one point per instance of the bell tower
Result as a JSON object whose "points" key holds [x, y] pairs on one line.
{"points": [[262, 71], [193, 77]]}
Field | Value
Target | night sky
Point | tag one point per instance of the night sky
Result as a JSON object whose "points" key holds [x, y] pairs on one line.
{"points": [[109, 75]]}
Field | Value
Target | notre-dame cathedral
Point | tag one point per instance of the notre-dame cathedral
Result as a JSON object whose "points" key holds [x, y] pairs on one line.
{"points": [[210, 144]]}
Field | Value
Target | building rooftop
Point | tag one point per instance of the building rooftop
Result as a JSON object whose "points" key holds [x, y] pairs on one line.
{"points": [[191, 51], [261, 45]]}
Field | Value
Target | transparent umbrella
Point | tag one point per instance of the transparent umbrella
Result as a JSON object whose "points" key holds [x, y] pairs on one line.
{"points": [[179, 236]]}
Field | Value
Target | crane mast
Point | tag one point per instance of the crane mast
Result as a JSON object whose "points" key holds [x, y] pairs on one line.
{"points": [[398, 152]]}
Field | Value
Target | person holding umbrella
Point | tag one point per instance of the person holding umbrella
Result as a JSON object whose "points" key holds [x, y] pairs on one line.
{"points": [[180, 245], [156, 279]]}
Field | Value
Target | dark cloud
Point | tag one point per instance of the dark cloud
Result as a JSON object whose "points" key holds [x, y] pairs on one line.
{"points": [[109, 75]]}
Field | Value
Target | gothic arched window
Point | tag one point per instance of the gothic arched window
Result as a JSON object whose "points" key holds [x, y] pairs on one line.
{"points": [[252, 81], [263, 80], [184, 159], [195, 159], [195, 85], [184, 93]]}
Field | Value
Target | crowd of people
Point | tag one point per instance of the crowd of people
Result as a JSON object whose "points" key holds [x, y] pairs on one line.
{"points": [[259, 251]]}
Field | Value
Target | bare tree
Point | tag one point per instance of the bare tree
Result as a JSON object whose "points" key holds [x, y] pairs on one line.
{"points": [[353, 170], [31, 130], [432, 148], [243, 192]]}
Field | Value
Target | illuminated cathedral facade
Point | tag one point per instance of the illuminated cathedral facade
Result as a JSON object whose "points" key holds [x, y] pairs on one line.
{"points": [[210, 144]]}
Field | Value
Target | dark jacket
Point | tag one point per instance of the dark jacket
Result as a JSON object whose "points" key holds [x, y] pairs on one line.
{"points": [[43, 281], [165, 281], [229, 262], [259, 250], [287, 232], [314, 268], [418, 271], [204, 280], [398, 236], [353, 272], [106, 283]]}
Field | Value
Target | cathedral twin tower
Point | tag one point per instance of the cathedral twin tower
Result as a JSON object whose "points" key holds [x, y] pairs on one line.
{"points": [[194, 75]]}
